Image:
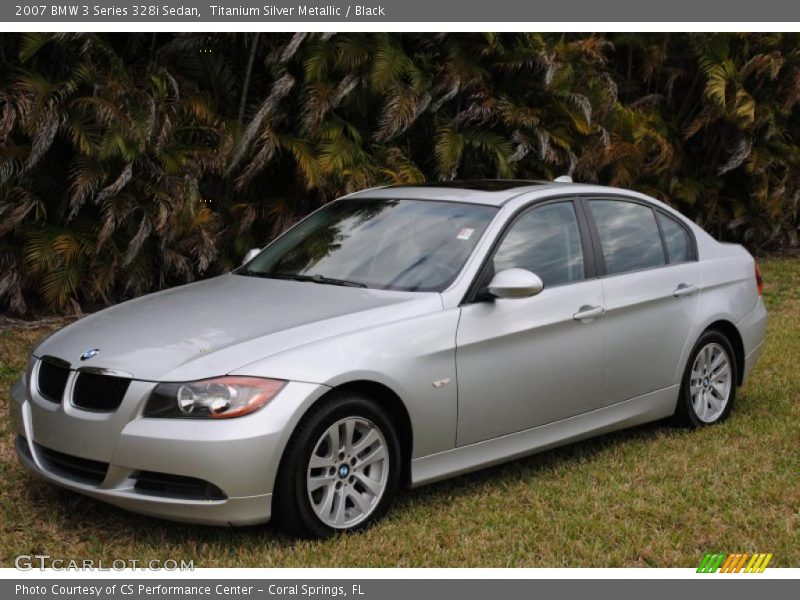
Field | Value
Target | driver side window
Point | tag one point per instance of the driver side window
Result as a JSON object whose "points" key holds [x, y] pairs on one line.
{"points": [[544, 240]]}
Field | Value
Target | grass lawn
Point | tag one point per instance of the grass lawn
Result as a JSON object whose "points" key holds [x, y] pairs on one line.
{"points": [[651, 496]]}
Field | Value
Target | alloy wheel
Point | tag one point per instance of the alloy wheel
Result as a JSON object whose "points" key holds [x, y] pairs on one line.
{"points": [[347, 472], [710, 383]]}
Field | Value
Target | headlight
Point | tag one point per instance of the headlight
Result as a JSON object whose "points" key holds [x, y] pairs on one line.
{"points": [[219, 398]]}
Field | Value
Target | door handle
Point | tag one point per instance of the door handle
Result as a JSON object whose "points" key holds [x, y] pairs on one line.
{"points": [[588, 312], [684, 289]]}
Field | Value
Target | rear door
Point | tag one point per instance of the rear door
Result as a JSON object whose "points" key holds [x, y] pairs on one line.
{"points": [[650, 277]]}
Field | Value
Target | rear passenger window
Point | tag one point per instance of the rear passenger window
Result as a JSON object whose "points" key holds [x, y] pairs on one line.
{"points": [[679, 246], [546, 241], [629, 235]]}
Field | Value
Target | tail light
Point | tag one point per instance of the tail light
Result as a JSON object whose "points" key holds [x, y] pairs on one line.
{"points": [[759, 281]]}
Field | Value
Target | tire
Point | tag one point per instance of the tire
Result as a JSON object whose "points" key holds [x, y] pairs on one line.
{"points": [[359, 479], [708, 390]]}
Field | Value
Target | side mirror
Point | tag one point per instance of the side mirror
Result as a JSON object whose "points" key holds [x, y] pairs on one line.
{"points": [[251, 254], [515, 283]]}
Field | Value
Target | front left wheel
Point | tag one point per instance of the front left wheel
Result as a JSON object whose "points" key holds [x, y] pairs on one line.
{"points": [[341, 469]]}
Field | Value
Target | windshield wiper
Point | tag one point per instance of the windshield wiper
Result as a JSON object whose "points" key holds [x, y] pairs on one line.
{"points": [[313, 279]]}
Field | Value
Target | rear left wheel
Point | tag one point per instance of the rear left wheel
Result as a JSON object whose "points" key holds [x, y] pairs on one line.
{"points": [[709, 382]]}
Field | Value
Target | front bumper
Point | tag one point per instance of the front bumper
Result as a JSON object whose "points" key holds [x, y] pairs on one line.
{"points": [[238, 457]]}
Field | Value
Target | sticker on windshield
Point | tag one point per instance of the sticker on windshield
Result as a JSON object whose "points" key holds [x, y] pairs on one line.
{"points": [[465, 233]]}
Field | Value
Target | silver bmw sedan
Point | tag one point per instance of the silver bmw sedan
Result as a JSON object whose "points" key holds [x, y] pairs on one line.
{"points": [[395, 337]]}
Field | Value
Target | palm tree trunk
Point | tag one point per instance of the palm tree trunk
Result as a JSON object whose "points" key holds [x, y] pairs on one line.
{"points": [[247, 74]]}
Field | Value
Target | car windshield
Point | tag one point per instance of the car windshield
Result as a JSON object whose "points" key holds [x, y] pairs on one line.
{"points": [[411, 245]]}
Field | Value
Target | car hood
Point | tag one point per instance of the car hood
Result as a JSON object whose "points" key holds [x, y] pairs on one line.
{"points": [[213, 327]]}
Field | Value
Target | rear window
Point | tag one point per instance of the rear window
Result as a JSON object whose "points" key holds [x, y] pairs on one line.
{"points": [[629, 235], [676, 238]]}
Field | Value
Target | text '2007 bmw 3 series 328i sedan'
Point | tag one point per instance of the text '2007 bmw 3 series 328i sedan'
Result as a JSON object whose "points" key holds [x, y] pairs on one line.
{"points": [[395, 337]]}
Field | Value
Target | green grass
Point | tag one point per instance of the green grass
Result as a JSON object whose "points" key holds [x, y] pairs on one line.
{"points": [[651, 496]]}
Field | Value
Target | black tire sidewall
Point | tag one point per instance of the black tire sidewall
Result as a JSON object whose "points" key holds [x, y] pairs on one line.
{"points": [[295, 507], [686, 412]]}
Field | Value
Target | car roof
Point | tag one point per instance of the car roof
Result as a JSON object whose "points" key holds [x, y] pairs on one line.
{"points": [[494, 192], [499, 192]]}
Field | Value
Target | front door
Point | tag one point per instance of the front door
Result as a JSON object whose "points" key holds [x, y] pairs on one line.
{"points": [[525, 362]]}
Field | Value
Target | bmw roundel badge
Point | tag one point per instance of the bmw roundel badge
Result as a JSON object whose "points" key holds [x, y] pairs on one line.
{"points": [[90, 354]]}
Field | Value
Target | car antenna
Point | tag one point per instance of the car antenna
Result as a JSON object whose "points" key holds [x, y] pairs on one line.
{"points": [[563, 179]]}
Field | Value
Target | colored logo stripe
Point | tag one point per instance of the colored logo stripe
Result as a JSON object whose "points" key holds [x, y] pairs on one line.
{"points": [[758, 563], [734, 563], [741, 563], [710, 563], [727, 566], [702, 567]]}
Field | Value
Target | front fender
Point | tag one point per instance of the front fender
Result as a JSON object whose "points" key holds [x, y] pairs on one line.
{"points": [[407, 356]]}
